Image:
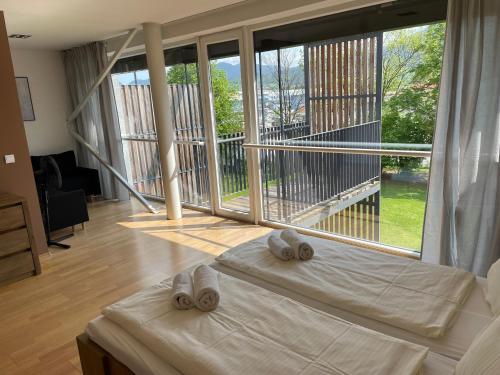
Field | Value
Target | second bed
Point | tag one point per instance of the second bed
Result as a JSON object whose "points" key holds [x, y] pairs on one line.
{"points": [[471, 317]]}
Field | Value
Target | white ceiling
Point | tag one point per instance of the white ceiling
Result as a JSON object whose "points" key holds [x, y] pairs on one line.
{"points": [[61, 24]]}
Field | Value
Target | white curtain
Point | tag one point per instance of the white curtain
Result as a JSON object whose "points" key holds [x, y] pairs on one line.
{"points": [[98, 121], [462, 225]]}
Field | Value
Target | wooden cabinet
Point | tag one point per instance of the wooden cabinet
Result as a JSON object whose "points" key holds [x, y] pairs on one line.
{"points": [[18, 255]]}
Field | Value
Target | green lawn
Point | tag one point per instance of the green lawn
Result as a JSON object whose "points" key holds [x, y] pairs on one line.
{"points": [[402, 208], [229, 197]]}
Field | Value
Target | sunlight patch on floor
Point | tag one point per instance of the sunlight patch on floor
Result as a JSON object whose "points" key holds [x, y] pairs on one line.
{"points": [[209, 234]]}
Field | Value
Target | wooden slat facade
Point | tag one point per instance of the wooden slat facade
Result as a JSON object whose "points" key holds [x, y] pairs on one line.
{"points": [[343, 83], [140, 144]]}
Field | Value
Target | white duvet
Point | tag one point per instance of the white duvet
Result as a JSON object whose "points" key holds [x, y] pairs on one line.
{"points": [[254, 331], [409, 294]]}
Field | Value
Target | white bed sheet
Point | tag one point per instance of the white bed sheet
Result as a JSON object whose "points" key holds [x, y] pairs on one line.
{"points": [[473, 317], [419, 297], [133, 354]]}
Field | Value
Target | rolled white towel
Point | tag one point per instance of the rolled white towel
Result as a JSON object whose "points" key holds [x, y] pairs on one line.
{"points": [[279, 248], [206, 288], [182, 291], [301, 248]]}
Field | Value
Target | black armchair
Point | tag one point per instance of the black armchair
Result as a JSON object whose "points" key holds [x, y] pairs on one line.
{"points": [[60, 209], [67, 208], [73, 177]]}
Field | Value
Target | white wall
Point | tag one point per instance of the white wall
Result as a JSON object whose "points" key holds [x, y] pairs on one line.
{"points": [[50, 96]]}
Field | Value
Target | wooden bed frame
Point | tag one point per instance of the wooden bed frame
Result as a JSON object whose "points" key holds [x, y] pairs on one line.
{"points": [[97, 361]]}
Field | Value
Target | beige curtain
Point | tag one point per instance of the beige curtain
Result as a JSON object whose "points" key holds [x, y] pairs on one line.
{"points": [[98, 121], [462, 226]]}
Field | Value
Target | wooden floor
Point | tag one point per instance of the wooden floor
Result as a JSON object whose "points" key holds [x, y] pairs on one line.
{"points": [[120, 251]]}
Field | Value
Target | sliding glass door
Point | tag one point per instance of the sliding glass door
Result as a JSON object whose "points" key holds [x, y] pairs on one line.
{"points": [[224, 74], [189, 124]]}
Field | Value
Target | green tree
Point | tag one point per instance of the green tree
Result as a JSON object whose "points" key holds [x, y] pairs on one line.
{"points": [[402, 51], [409, 110], [429, 69], [228, 118], [182, 73]]}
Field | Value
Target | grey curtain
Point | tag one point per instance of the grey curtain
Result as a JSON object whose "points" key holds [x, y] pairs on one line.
{"points": [[98, 121], [462, 225]]}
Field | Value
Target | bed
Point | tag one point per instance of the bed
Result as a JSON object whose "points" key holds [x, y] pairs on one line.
{"points": [[472, 316], [110, 350], [119, 346], [141, 335]]}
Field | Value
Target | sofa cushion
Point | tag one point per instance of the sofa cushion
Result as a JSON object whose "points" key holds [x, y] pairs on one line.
{"points": [[73, 177], [66, 161]]}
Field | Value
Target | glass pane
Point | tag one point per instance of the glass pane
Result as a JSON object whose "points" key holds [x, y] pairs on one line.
{"points": [[403, 200], [192, 162], [226, 90], [344, 194], [134, 106], [138, 130], [374, 91]]}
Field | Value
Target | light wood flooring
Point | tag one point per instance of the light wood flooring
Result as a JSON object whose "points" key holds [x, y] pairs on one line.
{"points": [[121, 250]]}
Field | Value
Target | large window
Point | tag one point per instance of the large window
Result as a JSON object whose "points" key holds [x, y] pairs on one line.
{"points": [[372, 94], [346, 107]]}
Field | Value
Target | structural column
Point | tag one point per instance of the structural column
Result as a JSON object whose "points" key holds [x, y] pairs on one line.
{"points": [[163, 118]]}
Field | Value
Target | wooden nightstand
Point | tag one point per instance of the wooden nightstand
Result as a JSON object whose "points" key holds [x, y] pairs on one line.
{"points": [[18, 253]]}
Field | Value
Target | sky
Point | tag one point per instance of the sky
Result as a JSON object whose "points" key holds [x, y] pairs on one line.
{"points": [[127, 78]]}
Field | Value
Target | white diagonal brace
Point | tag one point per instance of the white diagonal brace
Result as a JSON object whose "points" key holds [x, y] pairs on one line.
{"points": [[88, 146], [102, 76]]}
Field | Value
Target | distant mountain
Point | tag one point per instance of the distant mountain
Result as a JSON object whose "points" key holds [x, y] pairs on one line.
{"points": [[233, 74], [268, 73], [232, 71]]}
